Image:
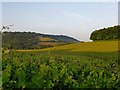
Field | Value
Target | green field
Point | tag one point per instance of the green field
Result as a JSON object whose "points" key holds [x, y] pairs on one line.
{"points": [[80, 65]]}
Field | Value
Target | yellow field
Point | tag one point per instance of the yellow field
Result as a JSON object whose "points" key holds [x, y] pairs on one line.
{"points": [[51, 43], [98, 46], [46, 39]]}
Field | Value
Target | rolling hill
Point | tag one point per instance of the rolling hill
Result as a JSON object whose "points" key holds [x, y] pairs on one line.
{"points": [[99, 49], [97, 46], [31, 40]]}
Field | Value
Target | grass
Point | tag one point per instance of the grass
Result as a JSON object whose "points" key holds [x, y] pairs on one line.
{"points": [[98, 46], [99, 49]]}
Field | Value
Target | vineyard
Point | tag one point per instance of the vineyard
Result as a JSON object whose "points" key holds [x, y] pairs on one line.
{"points": [[60, 68]]}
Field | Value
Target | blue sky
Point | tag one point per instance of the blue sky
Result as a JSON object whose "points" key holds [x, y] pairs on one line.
{"points": [[76, 19]]}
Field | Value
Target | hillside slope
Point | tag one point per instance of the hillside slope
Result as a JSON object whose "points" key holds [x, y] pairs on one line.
{"points": [[31, 40], [97, 46]]}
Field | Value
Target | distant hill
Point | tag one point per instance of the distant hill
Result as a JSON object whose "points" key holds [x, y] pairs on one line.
{"points": [[32, 40], [106, 33]]}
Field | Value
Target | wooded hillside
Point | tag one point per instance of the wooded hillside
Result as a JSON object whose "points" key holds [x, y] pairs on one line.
{"points": [[31, 40], [106, 33]]}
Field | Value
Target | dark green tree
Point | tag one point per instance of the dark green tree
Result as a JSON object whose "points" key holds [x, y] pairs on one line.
{"points": [[106, 33]]}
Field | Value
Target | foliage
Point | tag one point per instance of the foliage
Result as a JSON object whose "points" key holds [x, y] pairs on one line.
{"points": [[19, 40], [37, 70], [106, 33]]}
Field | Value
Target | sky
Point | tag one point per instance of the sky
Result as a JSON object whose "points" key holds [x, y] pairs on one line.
{"points": [[60, 0], [75, 19]]}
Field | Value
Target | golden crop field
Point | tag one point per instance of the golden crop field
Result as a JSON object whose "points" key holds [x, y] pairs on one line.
{"points": [[98, 46]]}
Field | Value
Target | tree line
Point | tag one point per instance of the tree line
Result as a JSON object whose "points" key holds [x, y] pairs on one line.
{"points": [[106, 33]]}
